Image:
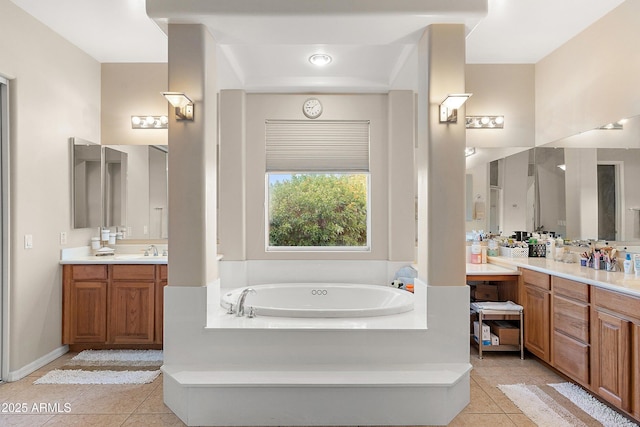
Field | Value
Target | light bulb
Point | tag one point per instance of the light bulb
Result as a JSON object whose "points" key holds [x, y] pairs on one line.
{"points": [[135, 120], [484, 120], [150, 120], [499, 120]]}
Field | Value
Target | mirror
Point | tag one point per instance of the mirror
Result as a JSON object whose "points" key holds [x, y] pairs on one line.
{"points": [[114, 200], [147, 191], [582, 187], [86, 183], [123, 186]]}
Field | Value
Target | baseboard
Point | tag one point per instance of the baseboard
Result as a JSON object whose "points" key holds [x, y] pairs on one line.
{"points": [[36, 364]]}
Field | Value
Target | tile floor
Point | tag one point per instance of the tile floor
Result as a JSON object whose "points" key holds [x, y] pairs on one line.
{"points": [[142, 405]]}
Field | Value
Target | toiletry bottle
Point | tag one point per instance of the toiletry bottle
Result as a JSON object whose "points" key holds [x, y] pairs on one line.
{"points": [[476, 252], [596, 260], [628, 264], [636, 263], [551, 248]]}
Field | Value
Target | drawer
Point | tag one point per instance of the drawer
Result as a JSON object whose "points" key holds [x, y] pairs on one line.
{"points": [[625, 305], [570, 289], [571, 357], [571, 317], [537, 279], [89, 272], [134, 272]]}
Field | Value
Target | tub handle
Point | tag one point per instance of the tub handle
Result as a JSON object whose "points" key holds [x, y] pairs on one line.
{"points": [[230, 310], [252, 313]]}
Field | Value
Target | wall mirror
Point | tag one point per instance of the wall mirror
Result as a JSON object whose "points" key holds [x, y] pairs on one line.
{"points": [[582, 187], [86, 161], [122, 186]]}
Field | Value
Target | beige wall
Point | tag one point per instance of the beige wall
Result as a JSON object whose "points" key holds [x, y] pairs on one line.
{"points": [[131, 90], [373, 107], [502, 89], [591, 80], [55, 94]]}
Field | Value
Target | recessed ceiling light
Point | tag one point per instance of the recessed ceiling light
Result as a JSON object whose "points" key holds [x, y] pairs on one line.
{"points": [[320, 59]]}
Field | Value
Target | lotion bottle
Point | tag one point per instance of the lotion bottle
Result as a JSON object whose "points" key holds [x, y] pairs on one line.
{"points": [[551, 247], [628, 264]]}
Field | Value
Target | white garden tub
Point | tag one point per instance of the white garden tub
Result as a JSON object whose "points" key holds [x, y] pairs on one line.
{"points": [[321, 300]]}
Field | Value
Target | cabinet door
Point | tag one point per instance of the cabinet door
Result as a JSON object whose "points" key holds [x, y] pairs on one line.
{"points": [[536, 321], [160, 311], [88, 312], [612, 374], [131, 312]]}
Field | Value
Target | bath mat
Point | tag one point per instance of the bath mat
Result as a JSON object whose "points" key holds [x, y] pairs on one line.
{"points": [[592, 406], [107, 367], [540, 407], [79, 376]]}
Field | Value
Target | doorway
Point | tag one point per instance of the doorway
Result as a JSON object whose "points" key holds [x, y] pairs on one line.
{"points": [[610, 201]]}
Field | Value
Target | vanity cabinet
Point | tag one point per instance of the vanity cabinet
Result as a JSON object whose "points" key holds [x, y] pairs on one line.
{"points": [[114, 305], [570, 338], [616, 349], [535, 297]]}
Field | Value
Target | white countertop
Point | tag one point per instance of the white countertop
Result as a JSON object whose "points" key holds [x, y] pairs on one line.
{"points": [[125, 254], [491, 269], [612, 280]]}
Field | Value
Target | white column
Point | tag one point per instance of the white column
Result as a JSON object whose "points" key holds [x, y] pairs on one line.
{"points": [[233, 242], [192, 158], [401, 180], [440, 158]]}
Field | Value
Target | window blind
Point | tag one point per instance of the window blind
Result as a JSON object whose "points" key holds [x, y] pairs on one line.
{"points": [[318, 146]]}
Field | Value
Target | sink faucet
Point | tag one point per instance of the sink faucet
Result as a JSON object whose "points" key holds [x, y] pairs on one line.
{"points": [[155, 250], [241, 298]]}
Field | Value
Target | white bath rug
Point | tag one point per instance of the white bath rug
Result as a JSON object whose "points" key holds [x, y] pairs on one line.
{"points": [[592, 406], [540, 407], [78, 376], [117, 358]]}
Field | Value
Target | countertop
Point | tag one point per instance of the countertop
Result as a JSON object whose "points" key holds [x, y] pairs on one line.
{"points": [[125, 254], [490, 269], [612, 280]]}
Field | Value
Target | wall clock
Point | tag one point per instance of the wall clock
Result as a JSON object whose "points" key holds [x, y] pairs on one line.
{"points": [[312, 108]]}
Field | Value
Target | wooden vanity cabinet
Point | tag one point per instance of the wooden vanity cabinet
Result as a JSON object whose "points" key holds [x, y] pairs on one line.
{"points": [[616, 349], [570, 338], [116, 305], [84, 304], [535, 297]]}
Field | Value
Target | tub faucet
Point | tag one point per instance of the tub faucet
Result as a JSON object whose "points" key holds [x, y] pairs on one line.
{"points": [[155, 250], [241, 298]]}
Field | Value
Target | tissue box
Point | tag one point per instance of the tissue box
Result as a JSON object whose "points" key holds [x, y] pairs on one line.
{"points": [[508, 333], [486, 333], [494, 339]]}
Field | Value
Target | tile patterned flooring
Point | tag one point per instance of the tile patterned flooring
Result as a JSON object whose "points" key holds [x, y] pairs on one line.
{"points": [[142, 405]]}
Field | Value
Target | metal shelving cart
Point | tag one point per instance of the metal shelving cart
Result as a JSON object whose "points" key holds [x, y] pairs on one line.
{"points": [[499, 309]]}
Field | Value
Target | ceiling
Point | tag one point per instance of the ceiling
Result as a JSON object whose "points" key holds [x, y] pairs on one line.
{"points": [[372, 42]]}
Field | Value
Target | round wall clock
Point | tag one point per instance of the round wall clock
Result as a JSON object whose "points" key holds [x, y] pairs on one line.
{"points": [[312, 108]]}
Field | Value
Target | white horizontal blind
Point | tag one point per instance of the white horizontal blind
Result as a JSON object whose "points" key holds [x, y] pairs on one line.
{"points": [[318, 146]]}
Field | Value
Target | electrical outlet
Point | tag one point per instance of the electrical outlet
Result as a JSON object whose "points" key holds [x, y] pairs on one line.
{"points": [[28, 241], [63, 237]]}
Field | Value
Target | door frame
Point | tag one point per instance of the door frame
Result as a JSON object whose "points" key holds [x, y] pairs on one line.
{"points": [[4, 228]]}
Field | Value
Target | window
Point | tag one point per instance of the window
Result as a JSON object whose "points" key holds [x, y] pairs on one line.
{"points": [[317, 185]]}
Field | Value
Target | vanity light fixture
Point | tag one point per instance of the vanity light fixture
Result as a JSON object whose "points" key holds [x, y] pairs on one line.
{"points": [[469, 151], [320, 59], [449, 107], [182, 104], [149, 122], [613, 126], [485, 122]]}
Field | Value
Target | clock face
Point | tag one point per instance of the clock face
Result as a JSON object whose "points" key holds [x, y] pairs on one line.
{"points": [[312, 108]]}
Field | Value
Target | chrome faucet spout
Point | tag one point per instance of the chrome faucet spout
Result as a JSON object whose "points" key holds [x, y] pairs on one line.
{"points": [[155, 250], [241, 299]]}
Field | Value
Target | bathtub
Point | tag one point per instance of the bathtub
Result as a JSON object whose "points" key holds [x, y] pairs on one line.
{"points": [[322, 300]]}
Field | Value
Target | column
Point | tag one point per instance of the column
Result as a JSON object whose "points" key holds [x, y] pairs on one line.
{"points": [[440, 158], [192, 158]]}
